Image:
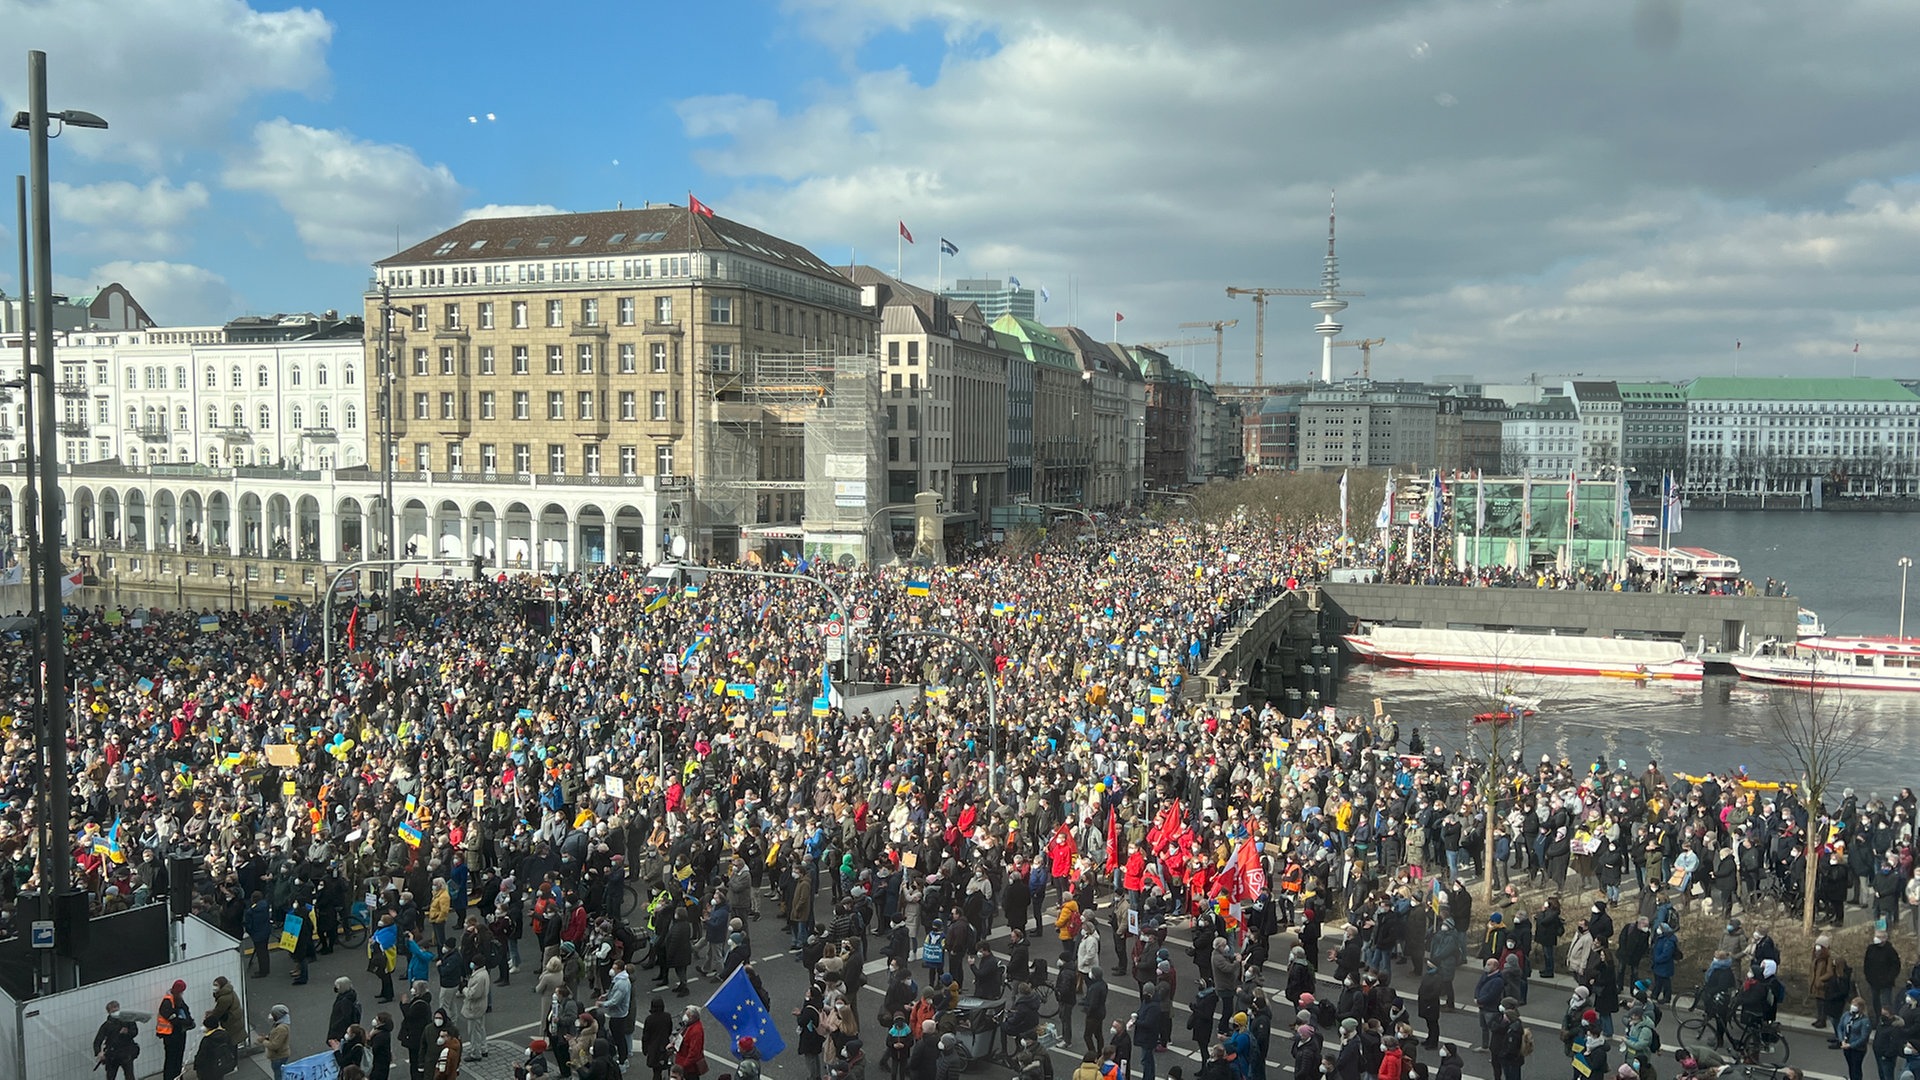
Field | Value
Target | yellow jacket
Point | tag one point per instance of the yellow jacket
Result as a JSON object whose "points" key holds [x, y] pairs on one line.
{"points": [[439, 907]]}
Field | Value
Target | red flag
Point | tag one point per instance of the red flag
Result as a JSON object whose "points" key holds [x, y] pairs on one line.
{"points": [[1113, 841], [696, 206], [1117, 317], [353, 625], [417, 587], [1253, 876], [904, 234], [1856, 346]]}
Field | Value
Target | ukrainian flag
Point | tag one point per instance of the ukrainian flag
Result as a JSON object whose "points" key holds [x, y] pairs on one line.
{"points": [[691, 590], [1139, 715], [656, 603], [780, 709], [919, 588], [408, 832], [1157, 695]]}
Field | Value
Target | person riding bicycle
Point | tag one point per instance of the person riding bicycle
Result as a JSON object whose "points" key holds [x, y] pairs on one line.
{"points": [[1717, 993], [1022, 1018]]}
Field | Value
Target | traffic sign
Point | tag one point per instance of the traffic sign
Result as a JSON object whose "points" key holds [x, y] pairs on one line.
{"points": [[831, 629], [862, 615], [43, 933]]}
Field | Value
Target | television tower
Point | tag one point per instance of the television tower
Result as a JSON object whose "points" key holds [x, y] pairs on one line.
{"points": [[1329, 303]]}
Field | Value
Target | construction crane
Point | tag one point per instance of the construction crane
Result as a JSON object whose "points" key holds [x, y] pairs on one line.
{"points": [[1260, 320], [1366, 352], [1175, 344], [1219, 328]]}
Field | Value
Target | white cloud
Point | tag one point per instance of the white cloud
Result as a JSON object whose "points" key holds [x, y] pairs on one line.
{"points": [[347, 197], [1605, 191], [126, 220], [502, 210], [175, 294], [168, 77]]}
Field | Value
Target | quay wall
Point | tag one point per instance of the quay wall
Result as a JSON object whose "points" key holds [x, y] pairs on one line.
{"points": [[1724, 623]]}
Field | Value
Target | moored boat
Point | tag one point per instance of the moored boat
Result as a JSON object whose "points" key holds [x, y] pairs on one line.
{"points": [[1537, 654], [1836, 663]]}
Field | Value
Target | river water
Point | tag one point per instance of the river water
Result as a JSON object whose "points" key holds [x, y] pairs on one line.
{"points": [[1841, 565]]}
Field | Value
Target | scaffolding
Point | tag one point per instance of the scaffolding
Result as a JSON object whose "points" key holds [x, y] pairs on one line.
{"points": [[805, 425]]}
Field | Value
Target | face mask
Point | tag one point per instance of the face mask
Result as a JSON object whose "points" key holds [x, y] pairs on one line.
{"points": [[1732, 929], [115, 1014]]}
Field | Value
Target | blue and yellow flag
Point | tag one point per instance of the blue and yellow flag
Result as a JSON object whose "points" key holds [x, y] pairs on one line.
{"points": [[656, 603], [919, 588], [1157, 695], [409, 832]]}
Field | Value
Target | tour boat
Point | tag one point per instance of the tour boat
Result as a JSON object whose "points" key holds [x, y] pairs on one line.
{"points": [[1538, 654], [1810, 625], [1839, 663], [1644, 525]]}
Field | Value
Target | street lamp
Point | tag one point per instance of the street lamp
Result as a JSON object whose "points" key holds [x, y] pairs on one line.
{"points": [[55, 853], [1906, 561]]}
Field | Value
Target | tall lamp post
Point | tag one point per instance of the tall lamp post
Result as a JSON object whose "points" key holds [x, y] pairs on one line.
{"points": [[1905, 563], [56, 858]]}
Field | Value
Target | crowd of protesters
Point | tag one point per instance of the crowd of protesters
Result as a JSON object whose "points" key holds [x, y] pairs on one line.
{"points": [[584, 784]]}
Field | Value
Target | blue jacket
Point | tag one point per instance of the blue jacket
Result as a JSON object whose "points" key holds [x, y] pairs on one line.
{"points": [[419, 962], [260, 921], [1666, 948]]}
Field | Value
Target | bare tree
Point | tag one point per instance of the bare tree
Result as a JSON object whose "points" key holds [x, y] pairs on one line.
{"points": [[1498, 743], [1818, 734]]}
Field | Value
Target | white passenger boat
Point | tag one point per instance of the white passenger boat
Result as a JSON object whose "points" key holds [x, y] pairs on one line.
{"points": [[1539, 654], [1836, 663]]}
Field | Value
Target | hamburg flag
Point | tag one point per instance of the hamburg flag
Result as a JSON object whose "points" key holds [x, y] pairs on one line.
{"points": [[948, 247], [738, 1009], [904, 234]]}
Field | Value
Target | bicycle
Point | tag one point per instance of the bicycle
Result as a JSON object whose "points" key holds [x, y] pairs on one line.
{"points": [[354, 928], [1750, 1041]]}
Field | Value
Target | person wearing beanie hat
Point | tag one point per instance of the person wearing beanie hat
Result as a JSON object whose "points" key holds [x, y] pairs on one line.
{"points": [[171, 1022], [216, 1055]]}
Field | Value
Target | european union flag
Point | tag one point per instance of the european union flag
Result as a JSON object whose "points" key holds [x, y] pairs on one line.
{"points": [[738, 1009]]}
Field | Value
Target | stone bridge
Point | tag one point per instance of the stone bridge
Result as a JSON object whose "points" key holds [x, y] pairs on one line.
{"points": [[1278, 653]]}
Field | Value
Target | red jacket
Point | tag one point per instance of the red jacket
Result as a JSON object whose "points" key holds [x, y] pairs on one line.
{"points": [[692, 1055]]}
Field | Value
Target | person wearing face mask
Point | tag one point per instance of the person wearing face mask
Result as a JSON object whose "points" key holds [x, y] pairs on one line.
{"points": [[279, 1040], [446, 1063], [1881, 966], [1851, 1033], [115, 1044]]}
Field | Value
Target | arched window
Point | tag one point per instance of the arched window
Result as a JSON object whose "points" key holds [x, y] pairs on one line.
{"points": [[349, 375], [296, 416], [213, 416], [325, 417], [180, 419], [266, 418], [133, 416], [353, 417], [213, 378], [239, 415], [294, 376], [239, 378], [261, 374], [180, 377], [320, 375]]}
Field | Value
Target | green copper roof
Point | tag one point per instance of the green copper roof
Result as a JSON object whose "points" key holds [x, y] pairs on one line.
{"points": [[1731, 389]]}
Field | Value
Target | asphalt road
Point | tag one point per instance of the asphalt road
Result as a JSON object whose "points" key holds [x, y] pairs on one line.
{"points": [[516, 1015]]}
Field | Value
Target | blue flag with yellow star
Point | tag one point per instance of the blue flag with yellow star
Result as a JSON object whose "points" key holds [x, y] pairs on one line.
{"points": [[739, 1010]]}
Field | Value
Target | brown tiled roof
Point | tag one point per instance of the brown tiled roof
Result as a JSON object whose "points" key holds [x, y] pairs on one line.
{"points": [[640, 232]]}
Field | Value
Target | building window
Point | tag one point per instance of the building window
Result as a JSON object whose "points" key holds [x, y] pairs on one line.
{"points": [[520, 361], [522, 458], [323, 415], [720, 357], [629, 460], [456, 457], [352, 414], [489, 457], [590, 311], [453, 316], [663, 460], [519, 314], [486, 315], [420, 317], [213, 378], [446, 361], [238, 378], [583, 355], [486, 404], [180, 378], [297, 415], [239, 414], [625, 308], [759, 315], [590, 459], [893, 354], [320, 375], [422, 410], [663, 309], [584, 405], [629, 363], [556, 313], [659, 357], [446, 407], [628, 407], [420, 362], [658, 405], [486, 359], [556, 360], [100, 376], [556, 405], [720, 309], [556, 459], [423, 456], [105, 415], [522, 408], [180, 418], [213, 416]]}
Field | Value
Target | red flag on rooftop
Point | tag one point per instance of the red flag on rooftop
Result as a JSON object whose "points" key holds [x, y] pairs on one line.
{"points": [[696, 206], [904, 234]]}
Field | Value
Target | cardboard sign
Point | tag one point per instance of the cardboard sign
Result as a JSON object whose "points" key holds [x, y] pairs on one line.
{"points": [[282, 755], [616, 787]]}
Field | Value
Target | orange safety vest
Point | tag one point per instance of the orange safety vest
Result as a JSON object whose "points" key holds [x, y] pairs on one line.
{"points": [[164, 1024]]}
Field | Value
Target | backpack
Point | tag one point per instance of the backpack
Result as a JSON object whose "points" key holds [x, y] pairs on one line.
{"points": [[1526, 1042], [1073, 925]]}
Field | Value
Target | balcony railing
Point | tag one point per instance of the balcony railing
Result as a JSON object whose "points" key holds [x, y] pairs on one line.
{"points": [[72, 427], [152, 432], [73, 388], [590, 329], [320, 433], [235, 433]]}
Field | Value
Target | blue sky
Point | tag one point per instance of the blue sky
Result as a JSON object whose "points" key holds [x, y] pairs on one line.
{"points": [[1587, 185]]}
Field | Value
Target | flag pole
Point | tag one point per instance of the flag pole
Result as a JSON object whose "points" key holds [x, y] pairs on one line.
{"points": [[899, 253], [940, 266]]}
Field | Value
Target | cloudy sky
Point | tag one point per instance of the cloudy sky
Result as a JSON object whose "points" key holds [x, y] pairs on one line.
{"points": [[1614, 187]]}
